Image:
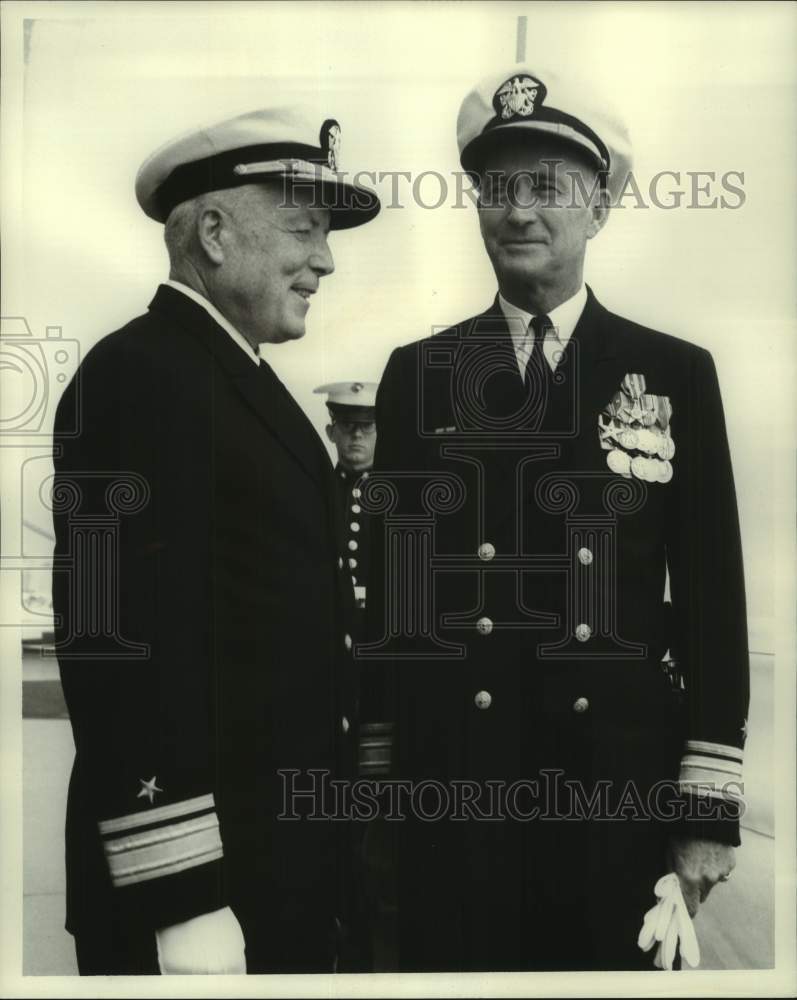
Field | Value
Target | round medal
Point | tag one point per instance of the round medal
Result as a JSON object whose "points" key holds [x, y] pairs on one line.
{"points": [[646, 441], [619, 462], [628, 439], [641, 468], [666, 448], [664, 472]]}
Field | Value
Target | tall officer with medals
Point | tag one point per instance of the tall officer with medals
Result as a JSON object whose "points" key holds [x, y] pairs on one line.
{"points": [[542, 470]]}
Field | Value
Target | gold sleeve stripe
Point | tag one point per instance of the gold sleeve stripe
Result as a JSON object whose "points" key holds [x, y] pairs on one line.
{"points": [[711, 764], [184, 848], [148, 816], [721, 749], [703, 780], [161, 835], [176, 866], [707, 789], [376, 744]]}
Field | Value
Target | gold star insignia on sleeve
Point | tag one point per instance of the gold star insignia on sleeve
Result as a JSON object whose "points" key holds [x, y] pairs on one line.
{"points": [[148, 789], [744, 731]]}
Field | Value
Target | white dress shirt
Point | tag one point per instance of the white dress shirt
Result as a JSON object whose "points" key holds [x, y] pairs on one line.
{"points": [[564, 318], [223, 322]]}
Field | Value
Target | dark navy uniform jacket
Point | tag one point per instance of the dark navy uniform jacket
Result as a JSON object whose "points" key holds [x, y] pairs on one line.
{"points": [[536, 647], [203, 604]]}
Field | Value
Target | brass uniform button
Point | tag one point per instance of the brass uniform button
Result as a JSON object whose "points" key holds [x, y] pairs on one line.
{"points": [[484, 625], [486, 551]]}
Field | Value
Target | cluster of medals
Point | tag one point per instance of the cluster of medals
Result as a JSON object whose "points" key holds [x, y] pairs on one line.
{"points": [[634, 429]]}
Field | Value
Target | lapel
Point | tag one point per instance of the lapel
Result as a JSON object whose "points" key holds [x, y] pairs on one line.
{"points": [[604, 356], [485, 339], [456, 387], [595, 334], [259, 386], [593, 354], [487, 346]]}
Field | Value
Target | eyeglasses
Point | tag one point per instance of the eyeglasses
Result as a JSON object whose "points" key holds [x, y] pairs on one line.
{"points": [[349, 426]]}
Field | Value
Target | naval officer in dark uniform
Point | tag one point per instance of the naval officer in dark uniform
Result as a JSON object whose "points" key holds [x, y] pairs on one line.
{"points": [[200, 587], [547, 471]]}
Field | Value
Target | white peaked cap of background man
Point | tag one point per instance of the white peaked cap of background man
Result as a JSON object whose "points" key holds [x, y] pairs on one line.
{"points": [[350, 398]]}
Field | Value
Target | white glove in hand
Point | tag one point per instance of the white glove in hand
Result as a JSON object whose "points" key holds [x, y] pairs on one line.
{"points": [[669, 924], [212, 944]]}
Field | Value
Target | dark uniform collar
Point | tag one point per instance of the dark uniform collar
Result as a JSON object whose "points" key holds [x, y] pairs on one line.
{"points": [[349, 476]]}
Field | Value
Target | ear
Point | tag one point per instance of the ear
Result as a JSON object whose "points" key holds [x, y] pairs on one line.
{"points": [[600, 213], [210, 233], [330, 435]]}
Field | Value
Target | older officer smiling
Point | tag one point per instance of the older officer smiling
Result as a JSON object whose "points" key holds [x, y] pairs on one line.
{"points": [[211, 683], [260, 261]]}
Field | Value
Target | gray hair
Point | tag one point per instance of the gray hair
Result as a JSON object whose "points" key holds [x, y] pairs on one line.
{"points": [[180, 234]]}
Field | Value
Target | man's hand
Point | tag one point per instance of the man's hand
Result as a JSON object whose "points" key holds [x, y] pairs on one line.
{"points": [[700, 864], [212, 944]]}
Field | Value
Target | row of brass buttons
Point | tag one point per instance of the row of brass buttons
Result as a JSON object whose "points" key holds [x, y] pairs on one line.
{"points": [[485, 626], [486, 551], [483, 700]]}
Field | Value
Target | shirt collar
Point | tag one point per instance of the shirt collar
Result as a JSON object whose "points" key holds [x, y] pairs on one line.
{"points": [[214, 313], [564, 317]]}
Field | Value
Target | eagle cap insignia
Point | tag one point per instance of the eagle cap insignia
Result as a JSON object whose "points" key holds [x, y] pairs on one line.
{"points": [[330, 143], [518, 97], [357, 387]]}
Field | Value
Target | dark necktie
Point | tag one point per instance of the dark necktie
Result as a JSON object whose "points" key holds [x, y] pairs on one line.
{"points": [[537, 370]]}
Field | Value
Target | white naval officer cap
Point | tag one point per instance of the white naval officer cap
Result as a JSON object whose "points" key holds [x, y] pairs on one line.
{"points": [[537, 102], [354, 401], [294, 144]]}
